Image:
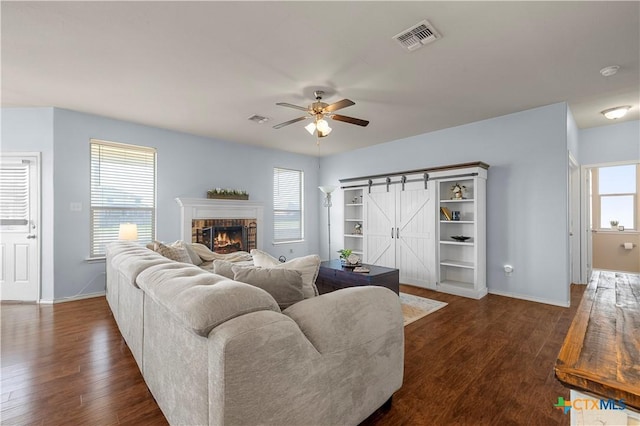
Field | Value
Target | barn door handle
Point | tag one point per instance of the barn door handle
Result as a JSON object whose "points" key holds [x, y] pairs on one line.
{"points": [[397, 232], [392, 232]]}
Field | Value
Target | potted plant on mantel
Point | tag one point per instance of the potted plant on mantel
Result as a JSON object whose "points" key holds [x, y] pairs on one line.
{"points": [[228, 194]]}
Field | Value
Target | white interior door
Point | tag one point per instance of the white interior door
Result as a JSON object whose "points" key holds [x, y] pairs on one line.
{"points": [[587, 203], [415, 244], [19, 217], [574, 222], [379, 225]]}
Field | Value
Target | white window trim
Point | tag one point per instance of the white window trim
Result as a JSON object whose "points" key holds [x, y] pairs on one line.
{"points": [[140, 148], [597, 197], [302, 210]]}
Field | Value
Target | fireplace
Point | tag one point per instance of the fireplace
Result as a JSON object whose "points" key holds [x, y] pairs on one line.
{"points": [[199, 214], [225, 239], [225, 235]]}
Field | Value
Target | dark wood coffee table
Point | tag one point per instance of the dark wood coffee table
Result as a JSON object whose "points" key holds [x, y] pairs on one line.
{"points": [[333, 276]]}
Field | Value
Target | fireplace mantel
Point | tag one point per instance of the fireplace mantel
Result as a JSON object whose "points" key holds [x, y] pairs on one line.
{"points": [[205, 208]]}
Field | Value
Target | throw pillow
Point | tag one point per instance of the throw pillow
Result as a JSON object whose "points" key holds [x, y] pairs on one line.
{"points": [[179, 254], [224, 268], [264, 259], [285, 286], [195, 259], [308, 266]]}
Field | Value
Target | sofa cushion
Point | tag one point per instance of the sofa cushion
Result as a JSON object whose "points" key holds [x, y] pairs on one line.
{"points": [[173, 252], [284, 285], [131, 259], [308, 266], [200, 300], [224, 268]]}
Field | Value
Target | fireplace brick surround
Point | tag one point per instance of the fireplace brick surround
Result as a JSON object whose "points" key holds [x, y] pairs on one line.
{"points": [[199, 213]]}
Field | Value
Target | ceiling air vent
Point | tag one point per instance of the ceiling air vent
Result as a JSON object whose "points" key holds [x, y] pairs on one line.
{"points": [[258, 119], [417, 36]]}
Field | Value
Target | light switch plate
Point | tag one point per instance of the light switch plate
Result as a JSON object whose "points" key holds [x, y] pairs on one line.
{"points": [[75, 207]]}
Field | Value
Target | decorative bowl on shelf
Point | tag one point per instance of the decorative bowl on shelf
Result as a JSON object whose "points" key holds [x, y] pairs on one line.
{"points": [[460, 238]]}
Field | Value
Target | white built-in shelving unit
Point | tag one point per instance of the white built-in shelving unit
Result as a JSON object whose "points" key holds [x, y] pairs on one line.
{"points": [[353, 215], [462, 269]]}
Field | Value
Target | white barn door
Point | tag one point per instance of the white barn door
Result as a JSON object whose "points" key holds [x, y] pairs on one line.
{"points": [[379, 222], [415, 239], [19, 216]]}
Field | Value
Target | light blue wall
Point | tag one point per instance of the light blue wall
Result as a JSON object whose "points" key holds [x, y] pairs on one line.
{"points": [[608, 144], [31, 130], [526, 192], [187, 166]]}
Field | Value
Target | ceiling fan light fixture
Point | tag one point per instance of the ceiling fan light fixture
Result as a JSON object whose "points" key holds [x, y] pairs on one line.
{"points": [[617, 112]]}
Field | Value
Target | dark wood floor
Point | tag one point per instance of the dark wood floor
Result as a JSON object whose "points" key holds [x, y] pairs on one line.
{"points": [[473, 362]]}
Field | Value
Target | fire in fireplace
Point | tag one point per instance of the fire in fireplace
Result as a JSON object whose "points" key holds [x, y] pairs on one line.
{"points": [[225, 239]]}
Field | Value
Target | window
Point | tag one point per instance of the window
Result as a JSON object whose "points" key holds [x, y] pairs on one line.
{"points": [[14, 196], [616, 195], [123, 190], [288, 223]]}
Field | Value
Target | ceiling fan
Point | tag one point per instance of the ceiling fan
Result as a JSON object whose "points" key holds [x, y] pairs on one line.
{"points": [[318, 111]]}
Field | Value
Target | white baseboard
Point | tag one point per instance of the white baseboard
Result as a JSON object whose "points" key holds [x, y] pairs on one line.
{"points": [[73, 298], [529, 298]]}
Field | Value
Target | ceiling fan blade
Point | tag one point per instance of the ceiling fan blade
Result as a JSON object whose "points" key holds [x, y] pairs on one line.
{"points": [[286, 123], [284, 104], [339, 105], [350, 120]]}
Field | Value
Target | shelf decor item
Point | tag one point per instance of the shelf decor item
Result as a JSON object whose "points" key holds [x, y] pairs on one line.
{"points": [[614, 224], [357, 229], [227, 194], [460, 238], [446, 213], [457, 190]]}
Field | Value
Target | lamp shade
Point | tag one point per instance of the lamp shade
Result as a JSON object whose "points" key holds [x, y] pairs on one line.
{"points": [[311, 127], [327, 189], [128, 231], [323, 127]]}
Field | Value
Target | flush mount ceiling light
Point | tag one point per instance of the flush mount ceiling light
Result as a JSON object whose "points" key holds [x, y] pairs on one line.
{"points": [[615, 113], [609, 71]]}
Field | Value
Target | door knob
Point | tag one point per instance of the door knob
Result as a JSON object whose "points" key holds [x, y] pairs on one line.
{"points": [[30, 237]]}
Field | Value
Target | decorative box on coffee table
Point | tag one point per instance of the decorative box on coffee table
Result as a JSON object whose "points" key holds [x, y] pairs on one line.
{"points": [[334, 276]]}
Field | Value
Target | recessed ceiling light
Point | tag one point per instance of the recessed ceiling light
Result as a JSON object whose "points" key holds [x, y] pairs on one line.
{"points": [[609, 71], [615, 113]]}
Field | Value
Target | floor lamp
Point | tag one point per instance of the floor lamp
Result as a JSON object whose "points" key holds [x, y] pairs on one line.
{"points": [[327, 190]]}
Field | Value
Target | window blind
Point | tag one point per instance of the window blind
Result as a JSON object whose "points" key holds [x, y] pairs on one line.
{"points": [[14, 194], [123, 190], [288, 223]]}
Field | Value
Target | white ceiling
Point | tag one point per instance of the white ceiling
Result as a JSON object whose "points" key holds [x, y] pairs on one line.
{"points": [[205, 67]]}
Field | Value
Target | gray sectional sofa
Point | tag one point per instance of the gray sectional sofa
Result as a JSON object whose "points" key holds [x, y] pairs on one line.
{"points": [[221, 352]]}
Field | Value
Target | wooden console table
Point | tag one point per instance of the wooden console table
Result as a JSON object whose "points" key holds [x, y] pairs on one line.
{"points": [[601, 352], [333, 276]]}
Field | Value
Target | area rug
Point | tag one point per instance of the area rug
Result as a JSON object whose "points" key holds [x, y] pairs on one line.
{"points": [[416, 307]]}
